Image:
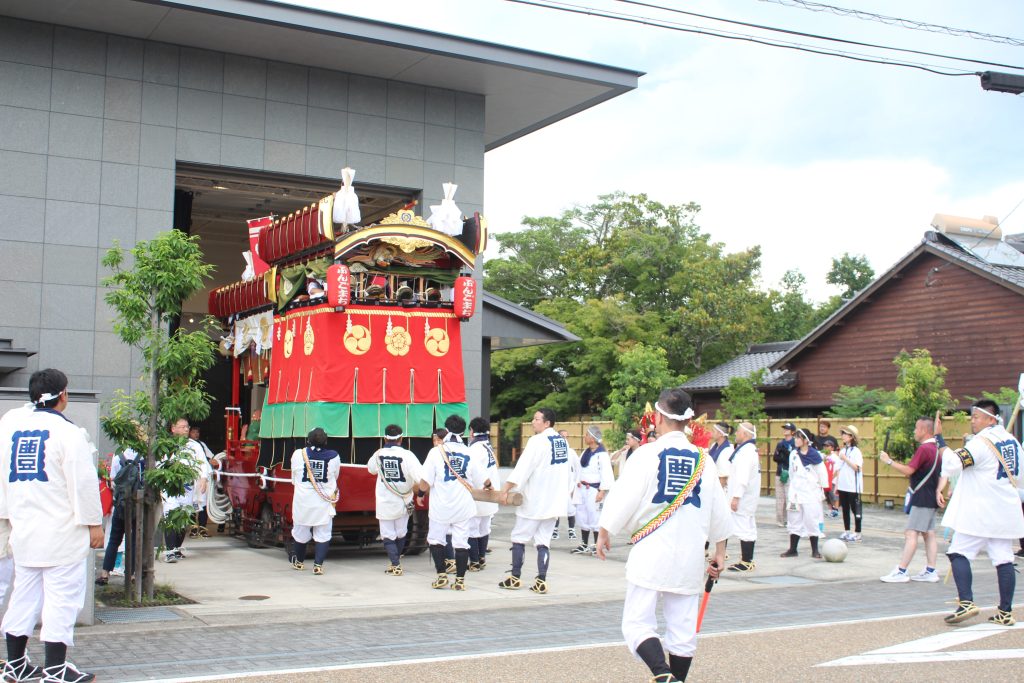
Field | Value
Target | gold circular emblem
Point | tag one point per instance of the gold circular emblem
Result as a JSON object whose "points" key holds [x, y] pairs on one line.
{"points": [[437, 342], [357, 340], [289, 342], [398, 341]]}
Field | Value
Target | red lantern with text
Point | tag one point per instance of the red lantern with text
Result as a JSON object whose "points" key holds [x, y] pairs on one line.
{"points": [[339, 285], [465, 297]]}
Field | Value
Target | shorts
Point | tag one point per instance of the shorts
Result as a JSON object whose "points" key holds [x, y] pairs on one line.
{"points": [[744, 527], [999, 550], [537, 530], [921, 519]]}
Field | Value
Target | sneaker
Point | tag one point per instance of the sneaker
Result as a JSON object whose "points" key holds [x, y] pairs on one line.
{"points": [[512, 583], [833, 513], [459, 584], [1002, 618], [855, 537], [896, 576], [845, 536], [742, 567], [592, 550], [21, 669], [441, 581], [540, 586], [170, 557], [1020, 553], [297, 565], [965, 609], [180, 552], [66, 673], [449, 566], [581, 549], [572, 534], [926, 576], [474, 566], [318, 570], [554, 535], [117, 572], [394, 570]]}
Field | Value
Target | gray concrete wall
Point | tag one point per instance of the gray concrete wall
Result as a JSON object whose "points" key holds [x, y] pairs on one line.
{"points": [[92, 126]]}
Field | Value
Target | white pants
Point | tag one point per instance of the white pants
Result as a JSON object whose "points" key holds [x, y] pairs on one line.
{"points": [[640, 619], [57, 594], [806, 520], [480, 526], [744, 526], [438, 532], [537, 530], [586, 511], [390, 529], [999, 550], [6, 576], [319, 533]]}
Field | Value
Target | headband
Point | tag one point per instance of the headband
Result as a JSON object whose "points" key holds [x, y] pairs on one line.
{"points": [[804, 434], [48, 397], [678, 418], [720, 430], [752, 430], [481, 434], [396, 437], [997, 418]]}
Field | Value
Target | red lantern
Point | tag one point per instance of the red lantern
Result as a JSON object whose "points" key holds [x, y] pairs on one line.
{"points": [[465, 297], [339, 285]]}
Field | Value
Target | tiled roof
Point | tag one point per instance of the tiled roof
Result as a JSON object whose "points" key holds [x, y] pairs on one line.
{"points": [[757, 357], [1009, 274]]}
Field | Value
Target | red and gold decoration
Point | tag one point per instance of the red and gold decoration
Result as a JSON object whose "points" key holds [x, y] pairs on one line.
{"points": [[465, 297], [339, 285]]}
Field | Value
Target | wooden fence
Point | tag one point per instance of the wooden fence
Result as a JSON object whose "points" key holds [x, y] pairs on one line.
{"points": [[881, 483]]}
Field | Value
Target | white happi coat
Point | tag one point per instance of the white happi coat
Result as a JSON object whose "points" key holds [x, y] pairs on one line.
{"points": [[308, 508], [402, 470], [984, 503], [670, 559], [744, 477], [806, 484], [193, 454], [598, 470], [48, 489], [485, 468], [543, 474], [450, 500]]}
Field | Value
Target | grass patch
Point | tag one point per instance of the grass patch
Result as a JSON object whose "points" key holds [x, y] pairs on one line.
{"points": [[163, 595]]}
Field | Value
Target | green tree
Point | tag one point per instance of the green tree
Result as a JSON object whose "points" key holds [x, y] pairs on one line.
{"points": [[147, 300], [859, 401], [641, 375], [920, 391], [852, 273], [741, 399]]}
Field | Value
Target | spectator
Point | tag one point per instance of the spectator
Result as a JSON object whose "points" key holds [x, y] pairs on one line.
{"points": [[129, 458], [825, 442], [924, 478], [850, 481], [781, 458]]}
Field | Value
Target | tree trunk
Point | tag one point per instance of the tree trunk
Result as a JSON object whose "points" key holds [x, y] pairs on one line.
{"points": [[152, 501]]}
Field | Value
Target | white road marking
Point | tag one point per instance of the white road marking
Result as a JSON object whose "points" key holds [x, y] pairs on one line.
{"points": [[930, 649]]}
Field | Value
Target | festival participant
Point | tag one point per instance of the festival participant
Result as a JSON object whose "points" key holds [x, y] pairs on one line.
{"points": [[574, 499], [743, 491], [398, 470], [850, 481], [984, 511], [721, 449], [671, 493], [315, 471], [544, 476], [621, 456], [595, 478], [50, 494], [487, 477], [446, 474], [781, 458], [807, 478]]}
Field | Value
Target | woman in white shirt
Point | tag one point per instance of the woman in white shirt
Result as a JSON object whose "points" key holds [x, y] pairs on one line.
{"points": [[850, 481]]}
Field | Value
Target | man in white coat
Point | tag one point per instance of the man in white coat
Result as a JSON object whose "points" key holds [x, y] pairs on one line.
{"points": [[743, 490], [398, 472], [486, 476], [543, 474], [671, 494], [315, 471], [595, 478], [984, 510], [50, 494]]}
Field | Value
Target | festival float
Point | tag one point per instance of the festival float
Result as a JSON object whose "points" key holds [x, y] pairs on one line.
{"points": [[349, 328]]}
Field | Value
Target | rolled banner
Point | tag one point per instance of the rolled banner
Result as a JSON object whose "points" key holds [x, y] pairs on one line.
{"points": [[346, 203], [446, 217]]}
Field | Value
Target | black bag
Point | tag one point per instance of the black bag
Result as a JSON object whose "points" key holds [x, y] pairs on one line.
{"points": [[128, 479]]}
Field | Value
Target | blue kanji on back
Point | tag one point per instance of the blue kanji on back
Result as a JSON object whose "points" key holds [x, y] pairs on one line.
{"points": [[28, 455], [559, 450], [675, 468]]}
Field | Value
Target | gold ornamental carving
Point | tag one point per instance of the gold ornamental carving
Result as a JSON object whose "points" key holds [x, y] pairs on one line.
{"points": [[357, 340], [289, 342], [404, 217], [398, 341], [308, 339], [437, 342], [407, 244]]}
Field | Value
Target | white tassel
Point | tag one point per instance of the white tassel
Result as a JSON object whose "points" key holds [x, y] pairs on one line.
{"points": [[346, 203], [446, 216]]}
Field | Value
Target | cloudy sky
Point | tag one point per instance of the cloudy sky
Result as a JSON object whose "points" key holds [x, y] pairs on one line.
{"points": [[808, 156]]}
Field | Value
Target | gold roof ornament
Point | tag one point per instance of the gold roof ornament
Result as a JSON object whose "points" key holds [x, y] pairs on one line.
{"points": [[403, 217]]}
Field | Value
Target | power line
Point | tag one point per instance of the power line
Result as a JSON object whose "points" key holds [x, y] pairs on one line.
{"points": [[898, 21], [816, 36], [685, 28]]}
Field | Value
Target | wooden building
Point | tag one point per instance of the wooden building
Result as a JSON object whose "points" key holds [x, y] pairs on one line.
{"points": [[958, 293]]}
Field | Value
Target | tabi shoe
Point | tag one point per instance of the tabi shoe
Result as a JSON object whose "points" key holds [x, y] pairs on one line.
{"points": [[926, 576], [394, 570], [440, 582], [580, 549], [459, 584], [540, 586], [318, 570], [742, 567], [965, 609], [789, 553], [21, 669], [512, 583], [896, 576], [449, 566], [1002, 618], [664, 678], [66, 673], [554, 535], [203, 533], [296, 565], [474, 567], [572, 534]]}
